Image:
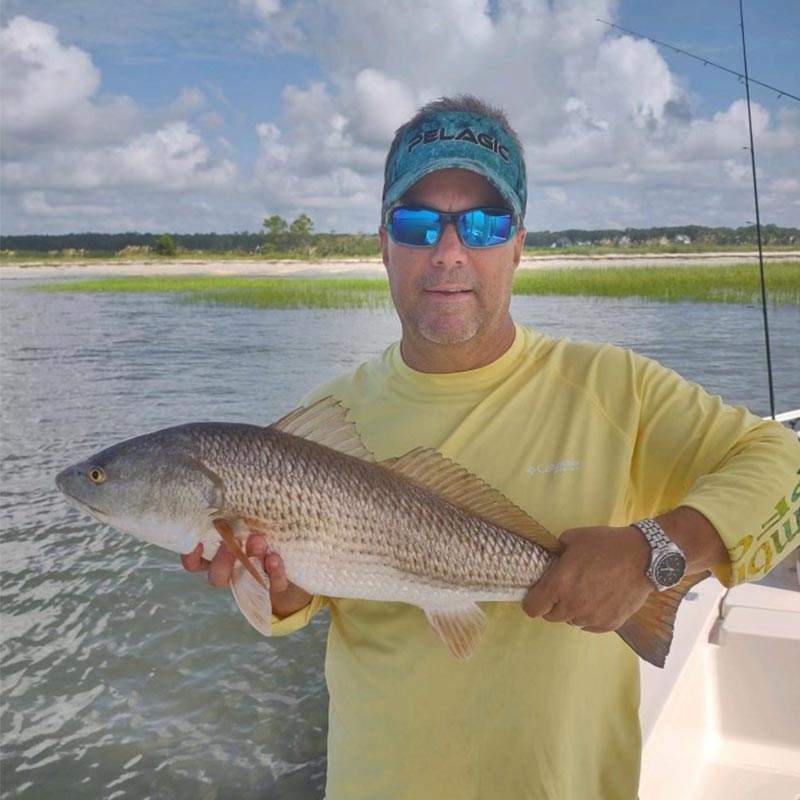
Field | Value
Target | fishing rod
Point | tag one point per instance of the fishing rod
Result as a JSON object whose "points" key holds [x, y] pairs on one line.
{"points": [[758, 219], [705, 61], [747, 80]]}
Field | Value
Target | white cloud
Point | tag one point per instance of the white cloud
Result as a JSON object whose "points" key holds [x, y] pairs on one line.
{"points": [[42, 81], [190, 99], [262, 8], [169, 159], [47, 89], [556, 195], [611, 133], [319, 181], [59, 137], [591, 108], [379, 106]]}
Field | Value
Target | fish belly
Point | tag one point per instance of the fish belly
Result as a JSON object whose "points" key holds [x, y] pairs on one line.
{"points": [[368, 579]]}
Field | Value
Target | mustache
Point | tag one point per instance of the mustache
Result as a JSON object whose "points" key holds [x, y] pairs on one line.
{"points": [[454, 277]]}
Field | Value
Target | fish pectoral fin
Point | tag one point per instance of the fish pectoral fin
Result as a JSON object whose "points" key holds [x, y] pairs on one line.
{"points": [[225, 530], [460, 627], [649, 631], [252, 596]]}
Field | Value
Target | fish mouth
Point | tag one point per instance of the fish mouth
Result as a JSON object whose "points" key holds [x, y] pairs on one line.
{"points": [[81, 505]]}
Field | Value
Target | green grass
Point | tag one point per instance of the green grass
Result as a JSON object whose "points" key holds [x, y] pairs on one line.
{"points": [[231, 290], [644, 249], [731, 284], [57, 257]]}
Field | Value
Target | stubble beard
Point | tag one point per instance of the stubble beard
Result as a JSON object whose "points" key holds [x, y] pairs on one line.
{"points": [[451, 323], [446, 331]]}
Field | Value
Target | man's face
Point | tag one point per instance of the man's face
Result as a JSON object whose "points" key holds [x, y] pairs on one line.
{"points": [[450, 294]]}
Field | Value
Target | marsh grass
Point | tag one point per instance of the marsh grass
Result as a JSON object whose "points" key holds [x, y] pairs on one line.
{"points": [[645, 250], [732, 284], [258, 292]]}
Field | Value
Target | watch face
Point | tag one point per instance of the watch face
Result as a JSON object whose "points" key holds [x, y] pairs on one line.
{"points": [[670, 569]]}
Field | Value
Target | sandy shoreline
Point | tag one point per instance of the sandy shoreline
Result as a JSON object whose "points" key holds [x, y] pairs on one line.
{"points": [[353, 267]]}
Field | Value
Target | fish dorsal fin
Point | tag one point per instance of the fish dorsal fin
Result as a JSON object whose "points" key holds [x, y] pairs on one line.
{"points": [[325, 422], [450, 481]]}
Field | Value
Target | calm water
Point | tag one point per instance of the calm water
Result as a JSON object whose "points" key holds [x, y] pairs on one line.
{"points": [[124, 676]]}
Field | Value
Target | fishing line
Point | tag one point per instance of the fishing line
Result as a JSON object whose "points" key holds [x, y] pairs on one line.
{"points": [[758, 219], [747, 80], [705, 61]]}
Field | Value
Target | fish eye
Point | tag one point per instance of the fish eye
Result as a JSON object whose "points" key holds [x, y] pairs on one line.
{"points": [[96, 475]]}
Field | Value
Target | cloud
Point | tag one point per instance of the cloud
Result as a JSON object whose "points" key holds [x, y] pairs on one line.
{"points": [[611, 133], [262, 8], [590, 107], [60, 137], [190, 99], [47, 91], [378, 106], [170, 159]]}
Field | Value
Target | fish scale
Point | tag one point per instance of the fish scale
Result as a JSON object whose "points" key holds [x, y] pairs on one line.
{"points": [[422, 535]]}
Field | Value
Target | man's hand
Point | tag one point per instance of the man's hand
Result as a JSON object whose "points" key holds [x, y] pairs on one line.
{"points": [[286, 597], [597, 583]]}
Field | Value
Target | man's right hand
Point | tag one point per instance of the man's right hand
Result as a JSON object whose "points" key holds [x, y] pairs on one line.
{"points": [[286, 597]]}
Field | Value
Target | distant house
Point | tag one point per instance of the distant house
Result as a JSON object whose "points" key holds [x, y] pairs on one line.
{"points": [[682, 238]]}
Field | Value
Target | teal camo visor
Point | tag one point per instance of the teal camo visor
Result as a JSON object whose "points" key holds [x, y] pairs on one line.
{"points": [[461, 140]]}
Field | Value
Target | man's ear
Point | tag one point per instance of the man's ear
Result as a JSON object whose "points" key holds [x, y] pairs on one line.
{"points": [[384, 237], [519, 243]]}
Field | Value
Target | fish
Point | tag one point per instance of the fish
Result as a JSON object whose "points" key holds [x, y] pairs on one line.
{"points": [[418, 528]]}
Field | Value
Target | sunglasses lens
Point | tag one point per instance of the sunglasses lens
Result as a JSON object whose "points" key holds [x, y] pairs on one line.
{"points": [[478, 227], [418, 227], [484, 227]]}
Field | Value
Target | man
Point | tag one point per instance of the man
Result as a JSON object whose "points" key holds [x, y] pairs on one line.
{"points": [[586, 438]]}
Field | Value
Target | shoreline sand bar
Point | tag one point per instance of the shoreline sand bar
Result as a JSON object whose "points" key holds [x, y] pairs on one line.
{"points": [[354, 267]]}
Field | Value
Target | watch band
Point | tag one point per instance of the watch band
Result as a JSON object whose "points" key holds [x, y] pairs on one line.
{"points": [[654, 533]]}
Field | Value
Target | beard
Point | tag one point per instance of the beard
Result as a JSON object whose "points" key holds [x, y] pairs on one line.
{"points": [[446, 328], [450, 323]]}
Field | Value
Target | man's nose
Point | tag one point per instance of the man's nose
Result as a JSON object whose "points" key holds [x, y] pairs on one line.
{"points": [[449, 251]]}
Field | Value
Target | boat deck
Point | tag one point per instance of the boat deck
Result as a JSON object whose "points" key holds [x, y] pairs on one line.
{"points": [[722, 721]]}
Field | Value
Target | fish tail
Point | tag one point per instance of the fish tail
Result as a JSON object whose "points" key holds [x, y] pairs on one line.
{"points": [[649, 631]]}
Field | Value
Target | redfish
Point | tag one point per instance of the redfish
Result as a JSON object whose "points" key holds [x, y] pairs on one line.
{"points": [[417, 529]]}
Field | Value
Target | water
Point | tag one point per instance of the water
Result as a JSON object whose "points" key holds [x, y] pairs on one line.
{"points": [[124, 676]]}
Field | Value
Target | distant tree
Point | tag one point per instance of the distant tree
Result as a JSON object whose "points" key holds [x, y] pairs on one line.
{"points": [[301, 235], [165, 246], [276, 232]]}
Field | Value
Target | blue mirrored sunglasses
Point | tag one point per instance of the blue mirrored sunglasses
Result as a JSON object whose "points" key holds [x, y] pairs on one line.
{"points": [[416, 226]]}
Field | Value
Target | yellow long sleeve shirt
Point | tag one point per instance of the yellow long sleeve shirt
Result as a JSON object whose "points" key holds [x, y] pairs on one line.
{"points": [[576, 434]]}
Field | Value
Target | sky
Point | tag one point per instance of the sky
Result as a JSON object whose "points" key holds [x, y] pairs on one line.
{"points": [[188, 116]]}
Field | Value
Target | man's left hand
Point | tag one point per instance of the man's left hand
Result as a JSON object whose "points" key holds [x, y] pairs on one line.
{"points": [[597, 583]]}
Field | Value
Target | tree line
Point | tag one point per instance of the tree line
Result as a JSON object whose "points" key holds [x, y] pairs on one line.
{"points": [[678, 234], [298, 238]]}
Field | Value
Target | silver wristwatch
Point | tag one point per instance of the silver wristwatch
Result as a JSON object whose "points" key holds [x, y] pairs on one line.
{"points": [[667, 562]]}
